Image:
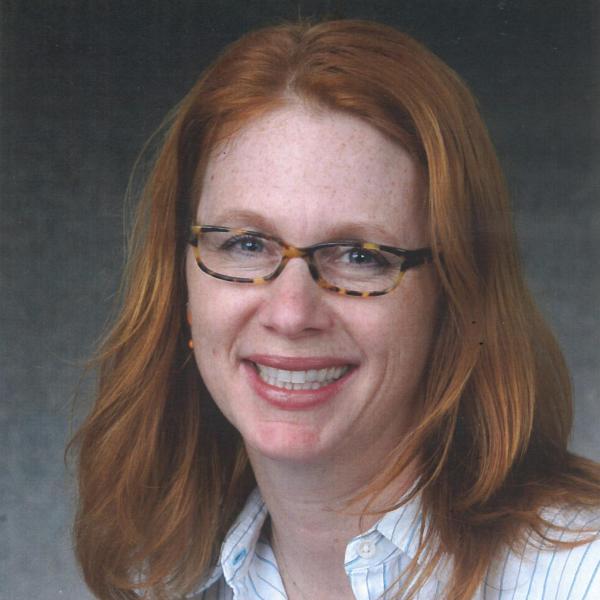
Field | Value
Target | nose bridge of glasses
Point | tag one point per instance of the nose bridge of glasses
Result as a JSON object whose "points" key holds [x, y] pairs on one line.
{"points": [[289, 252], [293, 252]]}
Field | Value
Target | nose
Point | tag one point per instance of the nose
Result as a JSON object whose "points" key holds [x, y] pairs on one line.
{"points": [[295, 305]]}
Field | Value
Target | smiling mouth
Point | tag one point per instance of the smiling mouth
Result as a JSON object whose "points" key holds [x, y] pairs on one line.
{"points": [[311, 379]]}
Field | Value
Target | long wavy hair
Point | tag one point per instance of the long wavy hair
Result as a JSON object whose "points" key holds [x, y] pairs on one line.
{"points": [[162, 475]]}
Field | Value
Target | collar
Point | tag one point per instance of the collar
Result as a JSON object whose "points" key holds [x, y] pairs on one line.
{"points": [[397, 532], [238, 547]]}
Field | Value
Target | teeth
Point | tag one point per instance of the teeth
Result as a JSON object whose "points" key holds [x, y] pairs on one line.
{"points": [[312, 379], [299, 376]]}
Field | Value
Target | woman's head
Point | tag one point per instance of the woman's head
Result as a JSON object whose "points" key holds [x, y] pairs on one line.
{"points": [[394, 85]]}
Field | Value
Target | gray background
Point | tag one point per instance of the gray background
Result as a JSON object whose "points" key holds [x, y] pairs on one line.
{"points": [[83, 84]]}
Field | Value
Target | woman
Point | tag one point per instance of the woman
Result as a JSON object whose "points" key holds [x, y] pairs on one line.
{"points": [[374, 407]]}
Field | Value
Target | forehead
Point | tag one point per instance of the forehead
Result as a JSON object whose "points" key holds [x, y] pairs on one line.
{"points": [[303, 171]]}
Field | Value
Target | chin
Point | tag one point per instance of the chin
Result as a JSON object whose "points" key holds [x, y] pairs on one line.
{"points": [[286, 441]]}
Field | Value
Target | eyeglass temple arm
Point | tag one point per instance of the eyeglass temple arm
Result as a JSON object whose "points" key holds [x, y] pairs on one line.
{"points": [[414, 258]]}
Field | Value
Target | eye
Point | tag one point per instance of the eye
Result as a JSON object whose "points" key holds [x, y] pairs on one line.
{"points": [[369, 258], [248, 244]]}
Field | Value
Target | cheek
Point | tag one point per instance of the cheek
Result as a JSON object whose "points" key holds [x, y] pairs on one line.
{"points": [[220, 313], [211, 335], [211, 323], [401, 332], [207, 323]]}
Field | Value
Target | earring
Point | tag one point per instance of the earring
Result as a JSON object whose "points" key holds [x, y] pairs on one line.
{"points": [[189, 320]]}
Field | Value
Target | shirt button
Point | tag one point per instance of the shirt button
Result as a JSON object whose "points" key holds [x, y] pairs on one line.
{"points": [[366, 549], [239, 557]]}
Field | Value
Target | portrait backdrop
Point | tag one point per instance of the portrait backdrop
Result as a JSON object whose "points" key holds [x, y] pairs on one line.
{"points": [[84, 84]]}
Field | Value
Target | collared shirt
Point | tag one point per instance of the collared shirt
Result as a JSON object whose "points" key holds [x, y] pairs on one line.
{"points": [[375, 560]]}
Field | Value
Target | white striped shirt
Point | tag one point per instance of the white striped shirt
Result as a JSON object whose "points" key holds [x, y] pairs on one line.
{"points": [[375, 560]]}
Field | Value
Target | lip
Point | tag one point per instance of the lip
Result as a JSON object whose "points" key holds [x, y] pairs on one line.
{"points": [[296, 400]]}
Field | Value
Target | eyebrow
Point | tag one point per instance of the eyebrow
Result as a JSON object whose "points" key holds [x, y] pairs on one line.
{"points": [[242, 218], [355, 230]]}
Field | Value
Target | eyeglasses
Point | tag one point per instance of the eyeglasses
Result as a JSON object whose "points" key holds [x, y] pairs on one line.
{"points": [[348, 267]]}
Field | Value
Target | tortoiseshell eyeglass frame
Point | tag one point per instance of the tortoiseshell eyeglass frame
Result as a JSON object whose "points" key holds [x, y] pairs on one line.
{"points": [[412, 258]]}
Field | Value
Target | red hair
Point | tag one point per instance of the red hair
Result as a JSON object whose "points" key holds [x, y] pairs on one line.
{"points": [[162, 474]]}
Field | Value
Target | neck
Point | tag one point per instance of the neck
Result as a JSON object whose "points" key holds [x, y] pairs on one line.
{"points": [[313, 518]]}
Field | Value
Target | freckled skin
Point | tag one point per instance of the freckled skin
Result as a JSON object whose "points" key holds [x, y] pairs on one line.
{"points": [[303, 174]]}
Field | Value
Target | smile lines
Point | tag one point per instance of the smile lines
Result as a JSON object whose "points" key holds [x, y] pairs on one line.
{"points": [[312, 379]]}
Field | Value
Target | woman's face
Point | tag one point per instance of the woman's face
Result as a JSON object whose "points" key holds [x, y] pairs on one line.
{"points": [[310, 176]]}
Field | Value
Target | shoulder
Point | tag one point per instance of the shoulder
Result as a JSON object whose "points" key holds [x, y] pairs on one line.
{"points": [[569, 569]]}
